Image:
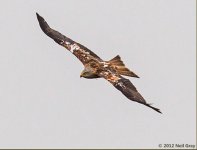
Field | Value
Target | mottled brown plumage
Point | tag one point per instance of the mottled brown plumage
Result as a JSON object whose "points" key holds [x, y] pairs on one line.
{"points": [[95, 67]]}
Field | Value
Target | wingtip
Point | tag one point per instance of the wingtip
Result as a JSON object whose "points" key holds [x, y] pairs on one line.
{"points": [[39, 17], [37, 14], [158, 110], [137, 76], [154, 108], [43, 24]]}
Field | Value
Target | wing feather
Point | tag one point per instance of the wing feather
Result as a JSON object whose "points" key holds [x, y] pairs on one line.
{"points": [[126, 87], [80, 51]]}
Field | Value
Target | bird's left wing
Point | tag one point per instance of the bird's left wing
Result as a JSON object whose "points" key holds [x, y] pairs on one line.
{"points": [[125, 86], [80, 51]]}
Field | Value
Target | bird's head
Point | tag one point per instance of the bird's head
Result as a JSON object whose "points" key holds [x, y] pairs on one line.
{"points": [[86, 73]]}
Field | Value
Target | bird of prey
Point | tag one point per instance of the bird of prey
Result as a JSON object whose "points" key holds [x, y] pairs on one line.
{"points": [[94, 67]]}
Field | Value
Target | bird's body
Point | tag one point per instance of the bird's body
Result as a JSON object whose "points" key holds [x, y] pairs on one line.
{"points": [[95, 67]]}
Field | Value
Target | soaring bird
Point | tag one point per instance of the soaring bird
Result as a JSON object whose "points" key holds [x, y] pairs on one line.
{"points": [[94, 67]]}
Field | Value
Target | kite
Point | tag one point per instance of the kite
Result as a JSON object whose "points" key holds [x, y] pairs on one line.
{"points": [[94, 67]]}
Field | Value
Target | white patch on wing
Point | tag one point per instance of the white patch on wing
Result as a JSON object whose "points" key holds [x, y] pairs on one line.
{"points": [[62, 41], [106, 73], [105, 64], [110, 77], [74, 47], [120, 84], [67, 43]]}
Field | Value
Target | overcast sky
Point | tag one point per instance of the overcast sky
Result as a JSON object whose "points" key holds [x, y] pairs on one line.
{"points": [[45, 104]]}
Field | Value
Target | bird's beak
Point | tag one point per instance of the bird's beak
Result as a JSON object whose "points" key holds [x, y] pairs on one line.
{"points": [[81, 75]]}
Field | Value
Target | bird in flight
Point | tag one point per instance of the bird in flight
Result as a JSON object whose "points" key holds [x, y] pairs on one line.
{"points": [[94, 67]]}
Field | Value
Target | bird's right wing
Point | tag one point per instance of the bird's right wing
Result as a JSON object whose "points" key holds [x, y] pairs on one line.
{"points": [[80, 51], [126, 87]]}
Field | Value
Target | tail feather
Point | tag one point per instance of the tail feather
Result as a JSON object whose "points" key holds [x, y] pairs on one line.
{"points": [[121, 68], [117, 61]]}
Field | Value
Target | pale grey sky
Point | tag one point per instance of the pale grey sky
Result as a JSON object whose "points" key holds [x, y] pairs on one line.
{"points": [[45, 104]]}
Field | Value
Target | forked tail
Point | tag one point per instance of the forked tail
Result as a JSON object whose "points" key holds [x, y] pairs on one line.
{"points": [[121, 68]]}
